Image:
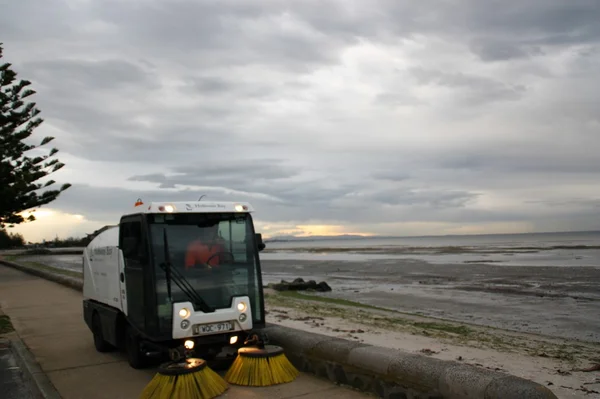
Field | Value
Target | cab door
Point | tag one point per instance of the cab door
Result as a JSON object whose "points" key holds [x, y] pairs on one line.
{"points": [[133, 243], [122, 286]]}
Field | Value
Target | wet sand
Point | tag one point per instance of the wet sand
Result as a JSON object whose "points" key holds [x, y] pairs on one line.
{"points": [[554, 301]]}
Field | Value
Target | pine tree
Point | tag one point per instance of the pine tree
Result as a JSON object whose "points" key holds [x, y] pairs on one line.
{"points": [[20, 190]]}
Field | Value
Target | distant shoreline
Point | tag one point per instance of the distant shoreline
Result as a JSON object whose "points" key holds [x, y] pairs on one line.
{"points": [[457, 250], [386, 237]]}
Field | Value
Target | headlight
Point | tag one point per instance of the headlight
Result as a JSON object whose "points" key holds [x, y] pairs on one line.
{"points": [[242, 307], [243, 317], [189, 344], [185, 324], [184, 313]]}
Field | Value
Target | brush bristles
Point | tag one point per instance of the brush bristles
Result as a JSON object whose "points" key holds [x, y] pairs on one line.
{"points": [[261, 371], [201, 384]]}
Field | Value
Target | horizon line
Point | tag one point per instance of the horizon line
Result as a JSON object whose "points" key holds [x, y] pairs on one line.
{"points": [[371, 236]]}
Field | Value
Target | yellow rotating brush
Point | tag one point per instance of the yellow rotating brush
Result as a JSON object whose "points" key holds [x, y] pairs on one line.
{"points": [[185, 379], [260, 365]]}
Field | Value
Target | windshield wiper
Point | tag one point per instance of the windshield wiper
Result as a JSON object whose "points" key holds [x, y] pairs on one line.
{"points": [[184, 285]]}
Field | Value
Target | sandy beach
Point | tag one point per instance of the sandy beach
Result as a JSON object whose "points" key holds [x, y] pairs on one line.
{"points": [[552, 362]]}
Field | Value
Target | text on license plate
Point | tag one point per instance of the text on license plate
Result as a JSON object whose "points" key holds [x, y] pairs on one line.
{"points": [[213, 327]]}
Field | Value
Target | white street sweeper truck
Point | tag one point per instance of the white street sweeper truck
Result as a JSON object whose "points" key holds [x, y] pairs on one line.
{"points": [[174, 279]]}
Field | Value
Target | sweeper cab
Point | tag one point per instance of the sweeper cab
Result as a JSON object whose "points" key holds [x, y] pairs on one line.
{"points": [[175, 278]]}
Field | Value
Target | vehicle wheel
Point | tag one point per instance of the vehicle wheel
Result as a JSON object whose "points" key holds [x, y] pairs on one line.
{"points": [[99, 342], [135, 357]]}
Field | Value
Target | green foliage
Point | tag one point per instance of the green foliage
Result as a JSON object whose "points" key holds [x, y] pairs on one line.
{"points": [[67, 242], [5, 325], [8, 241], [16, 241], [19, 173]]}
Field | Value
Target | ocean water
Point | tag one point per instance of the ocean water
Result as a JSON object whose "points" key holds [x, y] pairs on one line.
{"points": [[481, 242], [540, 249]]}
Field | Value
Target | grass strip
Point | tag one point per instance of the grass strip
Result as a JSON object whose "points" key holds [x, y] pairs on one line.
{"points": [[457, 334], [335, 301], [439, 327], [40, 266], [5, 325]]}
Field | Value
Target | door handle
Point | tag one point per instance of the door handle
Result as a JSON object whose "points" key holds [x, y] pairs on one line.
{"points": [[122, 277]]}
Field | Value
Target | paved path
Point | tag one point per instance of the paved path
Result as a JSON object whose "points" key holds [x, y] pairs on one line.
{"points": [[48, 318]]}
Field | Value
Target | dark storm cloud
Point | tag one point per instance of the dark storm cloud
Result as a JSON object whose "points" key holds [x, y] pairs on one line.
{"points": [[502, 50], [395, 176], [271, 180], [235, 174], [212, 84], [121, 139], [260, 32], [472, 89], [592, 203], [110, 203], [501, 30], [550, 22], [326, 199], [33, 19], [495, 30], [236, 33], [428, 198], [97, 103], [218, 87], [509, 160], [244, 100], [107, 75], [315, 195], [253, 169]]}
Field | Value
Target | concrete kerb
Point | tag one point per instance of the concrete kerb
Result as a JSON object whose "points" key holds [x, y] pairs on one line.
{"points": [[68, 281], [386, 372], [391, 373], [38, 380]]}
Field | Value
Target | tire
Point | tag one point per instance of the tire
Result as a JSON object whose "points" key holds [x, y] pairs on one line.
{"points": [[99, 342], [135, 357]]}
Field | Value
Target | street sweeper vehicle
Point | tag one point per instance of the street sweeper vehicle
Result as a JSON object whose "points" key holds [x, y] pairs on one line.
{"points": [[175, 279]]}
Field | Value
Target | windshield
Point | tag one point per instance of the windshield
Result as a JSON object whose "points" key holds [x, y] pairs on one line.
{"points": [[214, 253]]}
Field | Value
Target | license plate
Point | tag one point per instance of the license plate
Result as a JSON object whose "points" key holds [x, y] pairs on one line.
{"points": [[212, 328]]}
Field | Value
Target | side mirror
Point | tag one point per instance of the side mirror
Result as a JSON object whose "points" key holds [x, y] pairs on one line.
{"points": [[259, 242]]}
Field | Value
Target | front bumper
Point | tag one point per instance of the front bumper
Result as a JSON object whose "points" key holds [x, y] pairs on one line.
{"points": [[188, 323]]}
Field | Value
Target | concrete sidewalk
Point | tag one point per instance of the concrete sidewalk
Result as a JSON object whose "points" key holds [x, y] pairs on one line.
{"points": [[48, 318]]}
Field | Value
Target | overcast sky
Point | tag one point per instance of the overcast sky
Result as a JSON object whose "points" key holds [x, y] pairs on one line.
{"points": [[381, 117]]}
